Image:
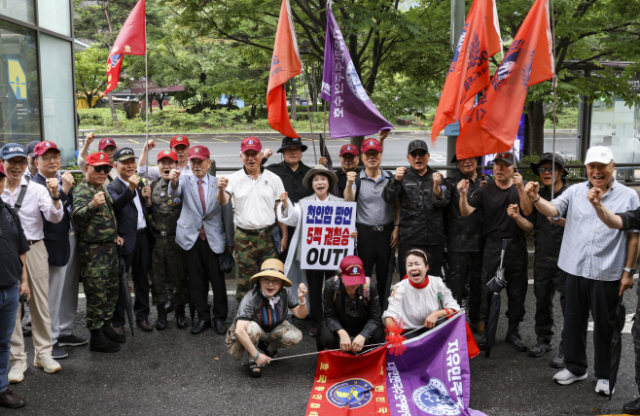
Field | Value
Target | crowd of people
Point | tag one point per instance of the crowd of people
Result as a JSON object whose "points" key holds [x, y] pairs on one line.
{"points": [[175, 225]]}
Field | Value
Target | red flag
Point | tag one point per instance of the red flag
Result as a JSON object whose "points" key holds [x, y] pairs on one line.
{"points": [[285, 64], [350, 386], [469, 68], [493, 124], [131, 41]]}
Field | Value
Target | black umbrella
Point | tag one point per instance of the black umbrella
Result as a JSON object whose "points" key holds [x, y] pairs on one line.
{"points": [[391, 270], [495, 285], [616, 320], [124, 289]]}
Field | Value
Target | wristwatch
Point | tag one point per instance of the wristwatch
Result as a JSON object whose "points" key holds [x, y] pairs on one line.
{"points": [[631, 271]]}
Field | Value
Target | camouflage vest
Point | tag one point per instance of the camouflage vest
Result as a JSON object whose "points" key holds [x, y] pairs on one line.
{"points": [[166, 208]]}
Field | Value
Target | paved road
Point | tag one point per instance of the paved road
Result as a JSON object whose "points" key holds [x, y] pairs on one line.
{"points": [[225, 148], [175, 373]]}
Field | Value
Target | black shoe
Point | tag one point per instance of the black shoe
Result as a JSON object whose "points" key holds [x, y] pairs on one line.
{"points": [[558, 360], [517, 342], [58, 353], [100, 343], [170, 306], [161, 322], [200, 327], [26, 332], [112, 333], [220, 326], [10, 400], [632, 408], [181, 319], [313, 331], [71, 341], [540, 349], [482, 343]]}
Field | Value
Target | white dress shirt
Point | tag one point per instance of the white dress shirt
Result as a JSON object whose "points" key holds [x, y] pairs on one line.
{"points": [[37, 200]]}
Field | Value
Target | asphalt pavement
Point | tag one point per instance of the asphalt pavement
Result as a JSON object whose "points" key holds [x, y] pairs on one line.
{"points": [[172, 372]]}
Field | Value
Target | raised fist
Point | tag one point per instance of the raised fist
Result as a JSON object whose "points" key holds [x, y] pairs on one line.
{"points": [[266, 153], [223, 182], [532, 189], [517, 180], [323, 161], [351, 177], [90, 138], [302, 290], [463, 186], [437, 179], [284, 199], [67, 181], [146, 191], [151, 144], [99, 200], [400, 173], [52, 186], [174, 175], [513, 211], [595, 196], [133, 180]]}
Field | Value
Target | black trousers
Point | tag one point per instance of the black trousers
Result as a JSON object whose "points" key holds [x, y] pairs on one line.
{"points": [[515, 264], [435, 251], [465, 269], [285, 253], [545, 284], [138, 261], [204, 270], [635, 331], [329, 340], [315, 279], [374, 249], [584, 295]]}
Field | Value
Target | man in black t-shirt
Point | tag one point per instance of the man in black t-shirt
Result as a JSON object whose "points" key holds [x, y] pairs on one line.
{"points": [[501, 219], [13, 284]]}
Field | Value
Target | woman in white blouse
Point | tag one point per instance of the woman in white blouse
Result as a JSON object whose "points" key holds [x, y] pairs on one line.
{"points": [[419, 300]]}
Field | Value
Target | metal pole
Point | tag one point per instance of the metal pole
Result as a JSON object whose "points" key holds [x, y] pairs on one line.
{"points": [[554, 81], [313, 140], [146, 93]]}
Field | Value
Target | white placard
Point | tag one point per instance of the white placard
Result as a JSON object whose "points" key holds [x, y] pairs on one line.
{"points": [[325, 233]]}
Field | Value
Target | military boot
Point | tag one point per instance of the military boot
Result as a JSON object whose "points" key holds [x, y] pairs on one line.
{"points": [[161, 322], [100, 343], [181, 319], [513, 337]]}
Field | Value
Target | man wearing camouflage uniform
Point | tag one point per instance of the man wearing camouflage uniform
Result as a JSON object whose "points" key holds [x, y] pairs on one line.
{"points": [[464, 243], [167, 258], [95, 221]]}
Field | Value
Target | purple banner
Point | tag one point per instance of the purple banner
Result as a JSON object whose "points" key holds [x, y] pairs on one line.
{"points": [[352, 112], [432, 376]]}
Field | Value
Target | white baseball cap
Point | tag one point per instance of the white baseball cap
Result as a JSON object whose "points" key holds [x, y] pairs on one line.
{"points": [[599, 154]]}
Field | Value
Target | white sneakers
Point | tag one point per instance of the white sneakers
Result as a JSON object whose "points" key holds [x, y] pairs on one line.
{"points": [[48, 364], [602, 387], [16, 374], [566, 377]]}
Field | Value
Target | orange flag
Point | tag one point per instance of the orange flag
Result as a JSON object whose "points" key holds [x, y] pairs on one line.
{"points": [[469, 68], [493, 124], [285, 65]]}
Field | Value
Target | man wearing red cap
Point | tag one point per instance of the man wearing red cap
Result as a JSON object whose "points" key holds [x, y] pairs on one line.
{"points": [[377, 235], [205, 230], [180, 146], [256, 195], [107, 146], [95, 220], [60, 241], [349, 159]]}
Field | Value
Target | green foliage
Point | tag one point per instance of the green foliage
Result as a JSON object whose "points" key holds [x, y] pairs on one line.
{"points": [[90, 72]]}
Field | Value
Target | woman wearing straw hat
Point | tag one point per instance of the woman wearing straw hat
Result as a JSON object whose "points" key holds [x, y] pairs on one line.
{"points": [[262, 317], [321, 180]]}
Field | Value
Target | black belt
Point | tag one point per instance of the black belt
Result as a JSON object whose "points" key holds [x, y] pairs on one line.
{"points": [[164, 234], [498, 239], [375, 227], [261, 231], [32, 242], [140, 232]]}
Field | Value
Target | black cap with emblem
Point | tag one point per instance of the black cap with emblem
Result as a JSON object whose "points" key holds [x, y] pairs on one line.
{"points": [[124, 153], [292, 142]]}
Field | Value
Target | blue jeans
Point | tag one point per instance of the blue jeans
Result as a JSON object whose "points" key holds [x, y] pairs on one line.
{"points": [[9, 300]]}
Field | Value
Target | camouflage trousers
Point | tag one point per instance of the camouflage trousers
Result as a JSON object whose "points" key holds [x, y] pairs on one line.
{"points": [[168, 265], [283, 336], [99, 271], [635, 331], [250, 251]]}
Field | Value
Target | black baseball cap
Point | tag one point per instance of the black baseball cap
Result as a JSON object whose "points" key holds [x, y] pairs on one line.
{"points": [[31, 147], [417, 145], [506, 157], [292, 142], [124, 153], [548, 158]]}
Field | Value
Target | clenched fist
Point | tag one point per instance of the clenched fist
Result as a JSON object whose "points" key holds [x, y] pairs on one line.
{"points": [[146, 191], [595, 196], [437, 180], [532, 189], [351, 178], [513, 211], [151, 144], [174, 175], [67, 182], [99, 200], [133, 180], [302, 290], [284, 198], [223, 182], [463, 186], [52, 186], [400, 171], [90, 138], [323, 161], [517, 180]]}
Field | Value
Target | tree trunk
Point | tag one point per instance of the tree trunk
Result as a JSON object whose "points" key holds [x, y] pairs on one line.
{"points": [[253, 111], [357, 141], [294, 99], [314, 89], [114, 117], [535, 111]]}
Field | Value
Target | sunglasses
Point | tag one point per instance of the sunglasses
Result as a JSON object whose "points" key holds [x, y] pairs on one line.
{"points": [[545, 170], [102, 169], [420, 153], [505, 155]]}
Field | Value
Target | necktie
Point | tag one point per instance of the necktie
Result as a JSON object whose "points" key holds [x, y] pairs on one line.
{"points": [[203, 235]]}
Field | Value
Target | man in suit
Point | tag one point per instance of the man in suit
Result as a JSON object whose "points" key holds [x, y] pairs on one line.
{"points": [[204, 230], [131, 212], [57, 240]]}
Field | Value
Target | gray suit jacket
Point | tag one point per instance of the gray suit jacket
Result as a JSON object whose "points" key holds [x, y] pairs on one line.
{"points": [[217, 220]]}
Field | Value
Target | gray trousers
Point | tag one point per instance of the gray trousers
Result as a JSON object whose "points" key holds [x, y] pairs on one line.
{"points": [[63, 294]]}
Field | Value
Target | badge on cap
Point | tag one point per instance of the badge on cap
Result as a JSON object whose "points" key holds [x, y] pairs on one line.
{"points": [[370, 142], [47, 144], [196, 150], [102, 158], [348, 147], [108, 141], [179, 139], [250, 142], [166, 152]]}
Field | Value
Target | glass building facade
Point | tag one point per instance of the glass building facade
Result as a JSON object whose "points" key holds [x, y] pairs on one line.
{"points": [[37, 99]]}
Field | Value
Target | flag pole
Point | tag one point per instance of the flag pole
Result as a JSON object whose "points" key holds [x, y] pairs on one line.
{"points": [[146, 93], [554, 82], [306, 93]]}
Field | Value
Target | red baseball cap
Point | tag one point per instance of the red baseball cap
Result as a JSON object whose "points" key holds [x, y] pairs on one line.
{"points": [[179, 140], [4, 175], [98, 159], [106, 142], [352, 271], [371, 144], [42, 147], [168, 153], [349, 149], [250, 143], [198, 152]]}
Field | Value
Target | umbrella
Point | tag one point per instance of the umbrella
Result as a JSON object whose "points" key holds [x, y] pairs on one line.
{"points": [[495, 285], [124, 290], [616, 320]]}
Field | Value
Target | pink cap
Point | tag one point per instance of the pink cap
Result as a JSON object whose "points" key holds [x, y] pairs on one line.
{"points": [[352, 271]]}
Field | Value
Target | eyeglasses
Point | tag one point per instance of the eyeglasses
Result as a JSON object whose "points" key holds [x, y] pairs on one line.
{"points": [[417, 153], [18, 162], [51, 158], [102, 169]]}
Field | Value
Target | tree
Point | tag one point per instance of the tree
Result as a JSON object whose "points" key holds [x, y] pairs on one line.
{"points": [[90, 73]]}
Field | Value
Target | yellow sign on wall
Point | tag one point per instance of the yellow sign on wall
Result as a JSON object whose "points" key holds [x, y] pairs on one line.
{"points": [[17, 79]]}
